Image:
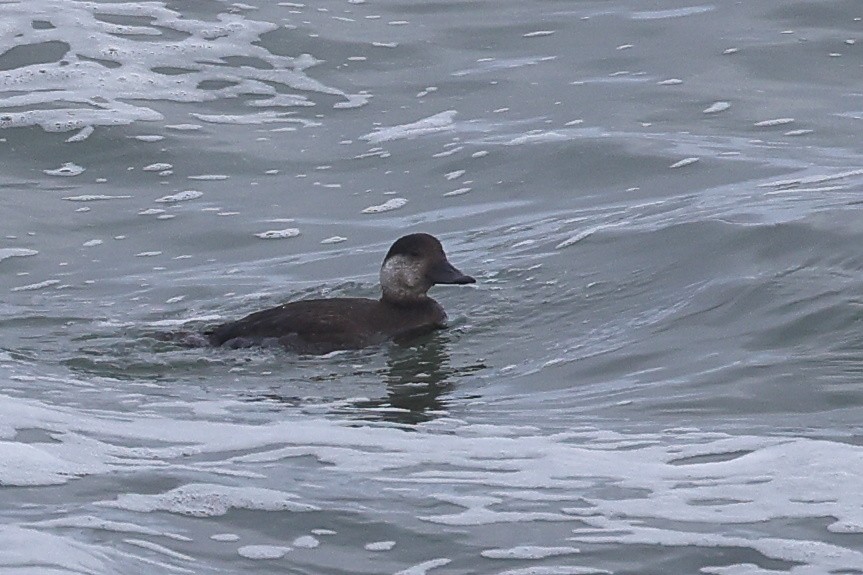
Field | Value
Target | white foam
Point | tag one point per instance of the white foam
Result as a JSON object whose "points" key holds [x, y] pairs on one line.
{"points": [[279, 234], [94, 198], [557, 570], [683, 162], [66, 170], [209, 177], [306, 542], [82, 134], [255, 119], [387, 206], [210, 500], [6, 253], [672, 13], [845, 527], [741, 569], [813, 179], [225, 537], [724, 484], [98, 523], [578, 237], [334, 240], [538, 137], [184, 127], [493, 64], [352, 101], [475, 516], [263, 551], [796, 190], [828, 557], [80, 90], [28, 464], [157, 167], [441, 122], [528, 552], [446, 153], [379, 546], [717, 107], [425, 567], [774, 122], [161, 549], [538, 33], [184, 196], [30, 552], [37, 286], [283, 101]]}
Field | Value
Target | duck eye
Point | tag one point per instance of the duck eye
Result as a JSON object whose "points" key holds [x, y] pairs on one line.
{"points": [[414, 253]]}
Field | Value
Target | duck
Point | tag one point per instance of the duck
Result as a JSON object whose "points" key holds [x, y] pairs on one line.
{"points": [[413, 264]]}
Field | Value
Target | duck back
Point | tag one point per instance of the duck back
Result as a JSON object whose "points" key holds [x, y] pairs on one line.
{"points": [[323, 325]]}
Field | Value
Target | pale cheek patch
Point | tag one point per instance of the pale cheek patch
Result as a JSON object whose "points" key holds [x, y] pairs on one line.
{"points": [[402, 275]]}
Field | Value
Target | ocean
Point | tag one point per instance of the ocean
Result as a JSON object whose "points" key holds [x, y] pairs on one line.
{"points": [[658, 371]]}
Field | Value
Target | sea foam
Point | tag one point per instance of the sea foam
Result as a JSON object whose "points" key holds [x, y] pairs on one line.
{"points": [[108, 74]]}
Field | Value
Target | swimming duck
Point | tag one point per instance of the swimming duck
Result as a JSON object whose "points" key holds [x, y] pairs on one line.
{"points": [[413, 264]]}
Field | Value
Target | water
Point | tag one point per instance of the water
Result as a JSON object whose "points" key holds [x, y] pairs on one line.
{"points": [[657, 372]]}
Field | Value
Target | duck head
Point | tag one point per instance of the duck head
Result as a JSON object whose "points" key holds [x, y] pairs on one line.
{"points": [[413, 265]]}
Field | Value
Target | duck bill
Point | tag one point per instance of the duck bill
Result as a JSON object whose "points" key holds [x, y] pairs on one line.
{"points": [[444, 272]]}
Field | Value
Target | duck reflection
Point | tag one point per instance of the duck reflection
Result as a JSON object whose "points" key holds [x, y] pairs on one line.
{"points": [[416, 377]]}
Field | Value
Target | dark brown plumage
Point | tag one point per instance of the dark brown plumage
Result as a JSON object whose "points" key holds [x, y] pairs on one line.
{"points": [[413, 264]]}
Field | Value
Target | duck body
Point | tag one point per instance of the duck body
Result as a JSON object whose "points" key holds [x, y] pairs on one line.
{"points": [[413, 264], [324, 325]]}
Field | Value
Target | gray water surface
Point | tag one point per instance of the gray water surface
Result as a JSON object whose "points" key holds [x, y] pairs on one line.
{"points": [[658, 370]]}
